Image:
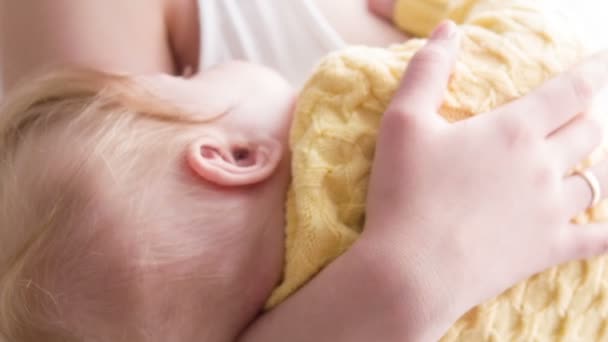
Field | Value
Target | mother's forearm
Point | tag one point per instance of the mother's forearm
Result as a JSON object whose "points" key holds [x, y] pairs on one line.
{"points": [[359, 297]]}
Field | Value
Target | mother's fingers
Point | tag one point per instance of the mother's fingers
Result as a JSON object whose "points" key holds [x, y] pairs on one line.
{"points": [[424, 83], [562, 98], [575, 141]]}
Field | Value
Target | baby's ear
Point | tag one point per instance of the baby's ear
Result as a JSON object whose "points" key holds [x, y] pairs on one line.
{"points": [[226, 163]]}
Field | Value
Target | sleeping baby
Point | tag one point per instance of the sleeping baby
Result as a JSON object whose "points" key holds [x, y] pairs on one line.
{"points": [[113, 198]]}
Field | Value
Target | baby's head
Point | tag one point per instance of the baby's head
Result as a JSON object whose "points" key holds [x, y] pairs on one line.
{"points": [[141, 208]]}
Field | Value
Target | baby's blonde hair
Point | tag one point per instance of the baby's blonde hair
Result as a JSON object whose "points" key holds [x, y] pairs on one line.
{"points": [[97, 120]]}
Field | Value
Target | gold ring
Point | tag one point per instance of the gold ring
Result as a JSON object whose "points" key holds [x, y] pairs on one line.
{"points": [[594, 184]]}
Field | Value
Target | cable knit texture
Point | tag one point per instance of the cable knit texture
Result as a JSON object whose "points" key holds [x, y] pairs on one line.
{"points": [[509, 47]]}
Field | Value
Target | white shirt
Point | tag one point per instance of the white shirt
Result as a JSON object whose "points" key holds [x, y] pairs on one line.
{"points": [[289, 36]]}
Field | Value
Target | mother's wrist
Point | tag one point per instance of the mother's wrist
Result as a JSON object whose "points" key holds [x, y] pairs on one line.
{"points": [[408, 286]]}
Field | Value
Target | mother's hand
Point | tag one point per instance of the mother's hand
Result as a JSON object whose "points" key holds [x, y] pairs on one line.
{"points": [[459, 213]]}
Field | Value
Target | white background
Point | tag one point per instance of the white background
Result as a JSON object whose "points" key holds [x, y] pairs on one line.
{"points": [[591, 17]]}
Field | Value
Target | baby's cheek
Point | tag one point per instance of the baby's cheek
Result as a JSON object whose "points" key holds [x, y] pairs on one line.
{"points": [[261, 266], [243, 261]]}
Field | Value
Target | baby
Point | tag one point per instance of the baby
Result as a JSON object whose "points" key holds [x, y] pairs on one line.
{"points": [[115, 190]]}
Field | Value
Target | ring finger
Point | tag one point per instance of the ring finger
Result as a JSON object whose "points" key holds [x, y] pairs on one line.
{"points": [[581, 192]]}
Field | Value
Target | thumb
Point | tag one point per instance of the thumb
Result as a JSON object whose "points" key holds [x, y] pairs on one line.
{"points": [[424, 83]]}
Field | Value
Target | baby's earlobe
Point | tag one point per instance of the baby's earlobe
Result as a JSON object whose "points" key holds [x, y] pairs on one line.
{"points": [[234, 164]]}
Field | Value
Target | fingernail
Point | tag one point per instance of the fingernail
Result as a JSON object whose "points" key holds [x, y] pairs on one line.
{"points": [[445, 30]]}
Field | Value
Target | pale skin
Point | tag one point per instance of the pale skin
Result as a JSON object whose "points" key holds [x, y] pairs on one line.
{"points": [[416, 268]]}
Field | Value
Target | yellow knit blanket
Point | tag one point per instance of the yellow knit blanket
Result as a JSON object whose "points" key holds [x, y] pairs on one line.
{"points": [[509, 47]]}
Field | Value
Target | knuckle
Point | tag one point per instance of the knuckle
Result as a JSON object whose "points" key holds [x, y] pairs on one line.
{"points": [[581, 88], [403, 120], [517, 133], [431, 54]]}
